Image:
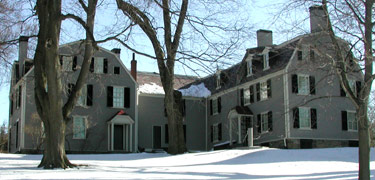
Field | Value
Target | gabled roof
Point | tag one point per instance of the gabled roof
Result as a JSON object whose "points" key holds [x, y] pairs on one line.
{"points": [[279, 57]]}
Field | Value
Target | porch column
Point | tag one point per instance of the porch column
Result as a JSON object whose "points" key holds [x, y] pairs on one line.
{"points": [[112, 135], [239, 130], [127, 137], [109, 137], [230, 132], [123, 136], [131, 138]]}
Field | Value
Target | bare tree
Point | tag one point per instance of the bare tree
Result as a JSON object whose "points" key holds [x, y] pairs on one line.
{"points": [[47, 70], [174, 46]]}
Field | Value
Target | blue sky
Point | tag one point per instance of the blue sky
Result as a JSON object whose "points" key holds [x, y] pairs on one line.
{"points": [[262, 15]]}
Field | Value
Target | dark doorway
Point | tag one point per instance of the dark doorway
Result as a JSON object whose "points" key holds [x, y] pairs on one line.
{"points": [[157, 137], [118, 137]]}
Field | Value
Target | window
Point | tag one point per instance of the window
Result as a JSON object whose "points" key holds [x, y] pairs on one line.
{"points": [[305, 52], [299, 54], [265, 122], [247, 96], [312, 53], [99, 65], [67, 63], [263, 91], [218, 80], [215, 106], [305, 118], [266, 62], [355, 87], [118, 97], [116, 70], [82, 99], [18, 99], [79, 127], [303, 84], [216, 133], [349, 121], [249, 64]]}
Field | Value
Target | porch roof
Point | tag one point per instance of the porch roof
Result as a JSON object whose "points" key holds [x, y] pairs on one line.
{"points": [[121, 118], [244, 110]]}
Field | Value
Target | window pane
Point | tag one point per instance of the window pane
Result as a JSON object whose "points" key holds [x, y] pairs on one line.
{"points": [[303, 85], [264, 122], [352, 121], [67, 63], [118, 97], [304, 117], [214, 106], [79, 127], [263, 91], [98, 65], [249, 68], [82, 99], [266, 61], [216, 132], [246, 94]]}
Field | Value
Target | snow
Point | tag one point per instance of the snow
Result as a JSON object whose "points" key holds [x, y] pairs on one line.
{"points": [[199, 90], [262, 163], [151, 88]]}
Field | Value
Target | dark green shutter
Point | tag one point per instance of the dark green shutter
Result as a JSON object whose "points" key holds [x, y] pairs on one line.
{"points": [[342, 91], [127, 97], [110, 96], [105, 66], [219, 104], [251, 94], [89, 94], [212, 133], [269, 90], [312, 84], [92, 64], [294, 83], [211, 112], [242, 97], [258, 91], [270, 125], [296, 118], [314, 122], [220, 132], [74, 67], [344, 120], [358, 87], [259, 127]]}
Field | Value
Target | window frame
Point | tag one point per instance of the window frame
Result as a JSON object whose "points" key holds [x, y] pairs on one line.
{"points": [[67, 63], [99, 69], [215, 133], [351, 121], [218, 80], [114, 70], [263, 122], [266, 61], [246, 99], [215, 109], [249, 65], [263, 90], [83, 96], [301, 118], [300, 85], [85, 126], [122, 96]]}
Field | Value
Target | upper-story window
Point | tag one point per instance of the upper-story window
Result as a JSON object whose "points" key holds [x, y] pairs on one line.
{"points": [[349, 121], [68, 63], [116, 70], [218, 79], [264, 90], [79, 127], [118, 97], [249, 65], [266, 61], [246, 94], [99, 65], [265, 122], [355, 87], [303, 84], [215, 106], [86, 97]]}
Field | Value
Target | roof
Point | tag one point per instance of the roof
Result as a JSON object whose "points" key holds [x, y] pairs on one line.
{"points": [[154, 78], [279, 57]]}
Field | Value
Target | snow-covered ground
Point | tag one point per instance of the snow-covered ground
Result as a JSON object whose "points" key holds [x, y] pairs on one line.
{"points": [[333, 163]]}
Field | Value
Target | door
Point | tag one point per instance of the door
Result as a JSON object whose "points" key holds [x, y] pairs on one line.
{"points": [[157, 137], [118, 137], [245, 124]]}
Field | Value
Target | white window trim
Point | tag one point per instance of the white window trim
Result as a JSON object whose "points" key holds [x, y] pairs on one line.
{"points": [[244, 97], [309, 114], [215, 134], [308, 84], [218, 80], [85, 120], [215, 110], [347, 120], [261, 122], [260, 90], [266, 61], [123, 98]]}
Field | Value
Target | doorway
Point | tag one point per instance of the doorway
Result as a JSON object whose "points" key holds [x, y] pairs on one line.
{"points": [[156, 137], [118, 137]]}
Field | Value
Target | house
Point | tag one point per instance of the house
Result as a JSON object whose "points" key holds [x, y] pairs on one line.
{"points": [[105, 116], [289, 94]]}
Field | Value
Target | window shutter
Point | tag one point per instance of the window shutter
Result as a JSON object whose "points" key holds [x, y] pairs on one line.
{"points": [[270, 125], [166, 133], [258, 91], [212, 133], [127, 97], [242, 97], [219, 104], [19, 96], [269, 90], [259, 124], [92, 64], [358, 87], [294, 83], [312, 54], [251, 94], [222, 79], [211, 112], [312, 84], [314, 124], [220, 132], [296, 118], [61, 60], [344, 120], [89, 94], [342, 91], [11, 105], [74, 67], [105, 66], [109, 96]]}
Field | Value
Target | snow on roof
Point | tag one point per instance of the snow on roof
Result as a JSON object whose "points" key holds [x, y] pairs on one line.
{"points": [[151, 88], [199, 90]]}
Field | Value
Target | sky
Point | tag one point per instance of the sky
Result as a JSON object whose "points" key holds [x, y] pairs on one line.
{"points": [[262, 15]]}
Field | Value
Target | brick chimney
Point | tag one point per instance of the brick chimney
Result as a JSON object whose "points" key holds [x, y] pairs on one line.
{"points": [[318, 19], [117, 51], [264, 37], [22, 53], [133, 68]]}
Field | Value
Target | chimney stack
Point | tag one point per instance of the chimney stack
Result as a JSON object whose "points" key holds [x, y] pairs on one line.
{"points": [[133, 68], [117, 51], [318, 19], [22, 53], [264, 37]]}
